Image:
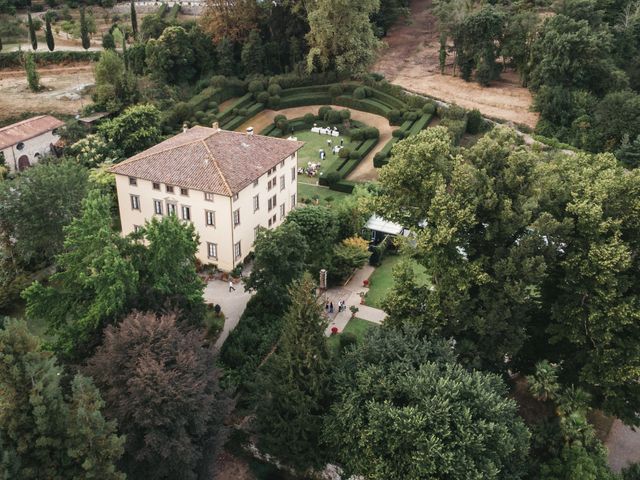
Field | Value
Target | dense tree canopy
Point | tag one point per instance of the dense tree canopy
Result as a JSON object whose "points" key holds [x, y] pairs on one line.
{"points": [[160, 385], [136, 129], [406, 410]]}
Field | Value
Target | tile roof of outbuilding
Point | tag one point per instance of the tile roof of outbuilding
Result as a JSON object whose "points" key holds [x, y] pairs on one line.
{"points": [[209, 159], [27, 129]]}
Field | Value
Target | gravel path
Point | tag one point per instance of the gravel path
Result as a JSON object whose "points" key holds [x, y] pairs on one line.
{"points": [[365, 170], [623, 444]]}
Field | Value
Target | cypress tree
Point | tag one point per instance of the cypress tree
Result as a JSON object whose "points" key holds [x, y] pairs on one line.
{"points": [[124, 52], [84, 30], [225, 57], [32, 74], [49, 34], [32, 32], [134, 20], [294, 382]]}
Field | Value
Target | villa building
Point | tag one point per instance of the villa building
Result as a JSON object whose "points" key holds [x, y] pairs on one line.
{"points": [[23, 143], [228, 184]]}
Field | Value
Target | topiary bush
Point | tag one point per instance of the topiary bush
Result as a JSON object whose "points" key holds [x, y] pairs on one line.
{"points": [[334, 117], [274, 89], [357, 134], [475, 122], [335, 91], [274, 101], [429, 108], [371, 132], [344, 153], [360, 93], [256, 86], [410, 115], [309, 119], [332, 177], [345, 114], [278, 118], [262, 97], [394, 116], [398, 133], [213, 106]]}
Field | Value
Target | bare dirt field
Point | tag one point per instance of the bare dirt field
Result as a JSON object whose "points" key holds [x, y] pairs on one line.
{"points": [[365, 170], [411, 61], [63, 90]]}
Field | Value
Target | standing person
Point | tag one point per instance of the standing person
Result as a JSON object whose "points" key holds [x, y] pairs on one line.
{"points": [[341, 141], [331, 307], [231, 287], [329, 143]]}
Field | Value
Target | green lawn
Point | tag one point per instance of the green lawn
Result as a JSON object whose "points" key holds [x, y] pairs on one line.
{"points": [[356, 326], [325, 196], [311, 149], [381, 280]]}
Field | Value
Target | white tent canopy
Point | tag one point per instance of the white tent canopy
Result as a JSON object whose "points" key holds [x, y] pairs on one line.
{"points": [[379, 224]]}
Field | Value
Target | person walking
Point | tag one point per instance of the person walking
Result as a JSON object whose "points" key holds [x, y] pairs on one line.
{"points": [[231, 287], [331, 307]]}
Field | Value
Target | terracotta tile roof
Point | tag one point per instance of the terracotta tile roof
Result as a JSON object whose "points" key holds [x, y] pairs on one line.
{"points": [[26, 129], [209, 159]]}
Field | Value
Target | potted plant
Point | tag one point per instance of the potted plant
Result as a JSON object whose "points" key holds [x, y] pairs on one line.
{"points": [[334, 330], [365, 283], [354, 310]]}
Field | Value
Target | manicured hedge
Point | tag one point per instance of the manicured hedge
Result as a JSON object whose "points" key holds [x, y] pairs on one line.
{"points": [[343, 186], [304, 100], [234, 123], [13, 59], [387, 99], [369, 105], [214, 94], [421, 123], [365, 147], [254, 109], [242, 102]]}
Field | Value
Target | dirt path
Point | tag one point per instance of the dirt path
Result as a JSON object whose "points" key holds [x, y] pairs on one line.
{"points": [[64, 90], [411, 61], [365, 170], [623, 444]]}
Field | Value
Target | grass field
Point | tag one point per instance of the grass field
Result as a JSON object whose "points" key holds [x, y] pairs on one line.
{"points": [[311, 152], [325, 196], [356, 326], [381, 280]]}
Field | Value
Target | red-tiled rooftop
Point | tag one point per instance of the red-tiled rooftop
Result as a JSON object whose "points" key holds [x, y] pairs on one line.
{"points": [[209, 159], [27, 129]]}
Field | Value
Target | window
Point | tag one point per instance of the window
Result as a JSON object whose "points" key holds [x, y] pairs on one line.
{"points": [[236, 217], [133, 181], [20, 146], [282, 211], [293, 201], [271, 170], [156, 186], [282, 164], [272, 203], [235, 197], [135, 202], [256, 203], [293, 174], [171, 208], [272, 220], [157, 207], [210, 218], [281, 182], [256, 231], [237, 251], [169, 188], [272, 183], [208, 196], [256, 182], [186, 212], [212, 250], [184, 191]]}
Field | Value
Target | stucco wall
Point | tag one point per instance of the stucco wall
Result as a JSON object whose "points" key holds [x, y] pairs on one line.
{"points": [[40, 145], [224, 234]]}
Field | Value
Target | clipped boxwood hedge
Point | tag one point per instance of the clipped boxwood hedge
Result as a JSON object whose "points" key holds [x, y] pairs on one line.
{"points": [[304, 100], [343, 186], [234, 123], [421, 123], [242, 102]]}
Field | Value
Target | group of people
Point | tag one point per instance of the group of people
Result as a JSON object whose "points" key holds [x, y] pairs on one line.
{"points": [[328, 308]]}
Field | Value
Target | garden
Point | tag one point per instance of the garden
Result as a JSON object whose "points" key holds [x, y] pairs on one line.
{"points": [[382, 281]]}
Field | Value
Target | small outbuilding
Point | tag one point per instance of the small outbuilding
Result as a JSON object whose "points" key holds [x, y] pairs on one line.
{"points": [[23, 143]]}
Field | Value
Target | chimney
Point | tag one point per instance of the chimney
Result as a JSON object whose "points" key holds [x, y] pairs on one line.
{"points": [[215, 126], [250, 131], [185, 127]]}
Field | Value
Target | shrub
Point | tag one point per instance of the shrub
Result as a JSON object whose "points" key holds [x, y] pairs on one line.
{"points": [[429, 108], [344, 186], [278, 118], [274, 89], [344, 153], [360, 93], [394, 116], [454, 112], [345, 114], [371, 132], [323, 112], [243, 112], [334, 117], [379, 160], [332, 177], [474, 121], [346, 340], [262, 97], [219, 81], [416, 101], [335, 91], [309, 119], [357, 134], [409, 115], [283, 124], [256, 86], [398, 133], [355, 155], [274, 101]]}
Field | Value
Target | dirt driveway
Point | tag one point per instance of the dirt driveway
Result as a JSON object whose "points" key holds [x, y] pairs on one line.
{"points": [[411, 61], [63, 90], [365, 170]]}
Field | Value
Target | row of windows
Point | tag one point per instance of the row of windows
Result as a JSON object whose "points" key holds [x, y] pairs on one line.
{"points": [[208, 196], [212, 250]]}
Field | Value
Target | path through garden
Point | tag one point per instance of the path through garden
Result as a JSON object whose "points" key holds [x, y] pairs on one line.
{"points": [[365, 170]]}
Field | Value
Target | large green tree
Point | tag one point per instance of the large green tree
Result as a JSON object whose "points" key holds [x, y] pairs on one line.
{"points": [[37, 205], [170, 58], [226, 62], [84, 30], [93, 284], [32, 32], [294, 384], [42, 433], [115, 87], [406, 411], [51, 45], [252, 55], [341, 36], [161, 385], [136, 129]]}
